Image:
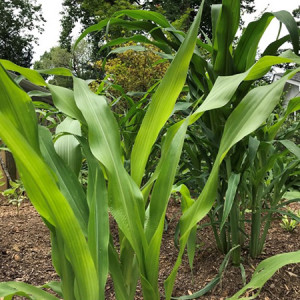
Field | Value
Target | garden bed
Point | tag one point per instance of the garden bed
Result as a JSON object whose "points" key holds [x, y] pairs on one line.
{"points": [[25, 255]]}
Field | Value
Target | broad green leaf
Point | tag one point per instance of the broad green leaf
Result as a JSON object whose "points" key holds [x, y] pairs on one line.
{"points": [[14, 103], [68, 182], [233, 183], [292, 147], [54, 286], [163, 102], [265, 270], [31, 75], [294, 105], [12, 288], [145, 15], [227, 25], [67, 146], [132, 25], [287, 19], [39, 182], [274, 46], [63, 99], [186, 202], [125, 199], [48, 200], [253, 147], [251, 112], [116, 274], [56, 71], [246, 50], [158, 203], [127, 48], [62, 266], [98, 227]]}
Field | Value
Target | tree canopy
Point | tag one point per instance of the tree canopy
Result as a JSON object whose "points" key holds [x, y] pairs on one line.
{"points": [[181, 12], [18, 20]]}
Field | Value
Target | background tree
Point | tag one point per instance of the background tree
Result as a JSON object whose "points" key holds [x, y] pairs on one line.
{"points": [[78, 61], [184, 11], [296, 14], [18, 20], [56, 57], [135, 71], [89, 12]]}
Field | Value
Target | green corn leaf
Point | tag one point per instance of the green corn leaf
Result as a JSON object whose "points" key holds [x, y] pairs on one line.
{"points": [[163, 102], [233, 183], [31, 75], [292, 147], [265, 270], [127, 48], [68, 182], [252, 111], [227, 25], [157, 18], [212, 283], [125, 199], [62, 265], [14, 102], [294, 105], [56, 71], [63, 99], [47, 199], [287, 19], [67, 146], [253, 147], [186, 202], [158, 203], [274, 46], [98, 227], [133, 25], [11, 288], [117, 274], [40, 184], [54, 286], [248, 116], [246, 50]]}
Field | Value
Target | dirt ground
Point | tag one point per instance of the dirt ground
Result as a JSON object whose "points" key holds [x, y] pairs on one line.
{"points": [[25, 255]]}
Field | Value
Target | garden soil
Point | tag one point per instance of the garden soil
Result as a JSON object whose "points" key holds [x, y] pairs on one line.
{"points": [[25, 255]]}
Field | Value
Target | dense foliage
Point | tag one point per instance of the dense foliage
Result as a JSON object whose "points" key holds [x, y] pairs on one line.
{"points": [[184, 11], [135, 71], [18, 20], [78, 60]]}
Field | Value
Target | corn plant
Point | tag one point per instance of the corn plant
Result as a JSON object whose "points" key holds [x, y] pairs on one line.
{"points": [[83, 251], [227, 56]]}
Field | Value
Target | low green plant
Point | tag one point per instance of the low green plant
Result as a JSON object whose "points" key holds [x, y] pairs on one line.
{"points": [[15, 194], [289, 223]]}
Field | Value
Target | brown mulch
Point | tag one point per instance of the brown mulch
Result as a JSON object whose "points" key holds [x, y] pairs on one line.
{"points": [[25, 255]]}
